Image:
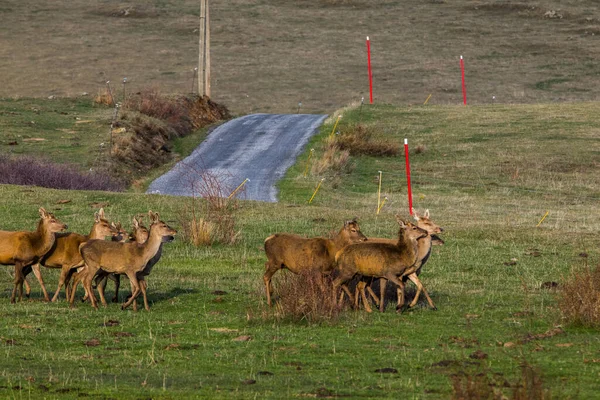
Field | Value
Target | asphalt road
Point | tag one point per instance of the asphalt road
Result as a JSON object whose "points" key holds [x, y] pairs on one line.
{"points": [[258, 147]]}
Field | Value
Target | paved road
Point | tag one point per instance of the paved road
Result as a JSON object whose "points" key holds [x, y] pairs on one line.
{"points": [[260, 147]]}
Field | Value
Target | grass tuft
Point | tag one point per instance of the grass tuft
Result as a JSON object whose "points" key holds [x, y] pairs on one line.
{"points": [[579, 297], [358, 140], [307, 296]]}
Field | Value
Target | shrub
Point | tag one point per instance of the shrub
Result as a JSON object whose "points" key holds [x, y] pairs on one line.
{"points": [[579, 297], [358, 140], [28, 170], [307, 296], [335, 160], [210, 217], [104, 97]]}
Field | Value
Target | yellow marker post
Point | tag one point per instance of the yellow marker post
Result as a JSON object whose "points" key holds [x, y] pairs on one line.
{"points": [[335, 126], [543, 218], [308, 162], [379, 192], [238, 188], [316, 190], [428, 97], [381, 205]]}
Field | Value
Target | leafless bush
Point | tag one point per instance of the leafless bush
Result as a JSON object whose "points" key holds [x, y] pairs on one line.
{"points": [[358, 140], [27, 170], [209, 217], [307, 296], [579, 297]]}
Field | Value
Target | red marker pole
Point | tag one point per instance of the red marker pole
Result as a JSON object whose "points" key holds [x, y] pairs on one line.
{"points": [[370, 72], [410, 207], [464, 87]]}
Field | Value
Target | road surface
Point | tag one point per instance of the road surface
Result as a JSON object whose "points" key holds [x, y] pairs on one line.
{"points": [[258, 147]]}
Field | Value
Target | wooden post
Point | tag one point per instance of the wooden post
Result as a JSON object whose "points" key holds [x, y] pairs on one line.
{"points": [[204, 51]]}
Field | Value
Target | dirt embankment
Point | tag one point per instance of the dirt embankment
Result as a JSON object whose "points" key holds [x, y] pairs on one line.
{"points": [[147, 123]]}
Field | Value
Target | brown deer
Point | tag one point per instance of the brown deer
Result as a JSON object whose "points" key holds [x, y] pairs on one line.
{"points": [[297, 254], [23, 248], [424, 251], [65, 252], [379, 260], [120, 258], [141, 235], [138, 235]]}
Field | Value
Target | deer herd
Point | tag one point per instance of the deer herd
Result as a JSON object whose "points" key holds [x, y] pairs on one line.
{"points": [[350, 254], [85, 258], [92, 260]]}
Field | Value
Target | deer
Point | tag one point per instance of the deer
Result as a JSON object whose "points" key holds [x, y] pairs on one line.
{"points": [[120, 258], [297, 254], [424, 251], [141, 235], [138, 235], [24, 248], [380, 260], [64, 254]]}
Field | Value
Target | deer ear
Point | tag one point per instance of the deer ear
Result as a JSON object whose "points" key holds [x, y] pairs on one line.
{"points": [[43, 212], [96, 217], [426, 213], [415, 215], [101, 213], [136, 223], [400, 220]]}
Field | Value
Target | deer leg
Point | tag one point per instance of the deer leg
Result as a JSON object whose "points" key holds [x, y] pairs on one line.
{"points": [[398, 282], [382, 285], [27, 288], [144, 287], [373, 295], [64, 271], [117, 279], [38, 274], [18, 283], [362, 286], [135, 289], [88, 276], [415, 279], [270, 270], [101, 288], [357, 291]]}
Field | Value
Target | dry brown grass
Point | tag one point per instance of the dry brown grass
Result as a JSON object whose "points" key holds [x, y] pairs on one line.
{"points": [[210, 217], [579, 297], [309, 51], [334, 161], [307, 296], [358, 140]]}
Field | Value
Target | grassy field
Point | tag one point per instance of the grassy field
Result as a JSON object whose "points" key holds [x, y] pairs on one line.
{"points": [[310, 51], [488, 174]]}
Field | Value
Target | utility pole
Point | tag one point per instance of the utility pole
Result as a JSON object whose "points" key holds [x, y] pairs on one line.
{"points": [[204, 51]]}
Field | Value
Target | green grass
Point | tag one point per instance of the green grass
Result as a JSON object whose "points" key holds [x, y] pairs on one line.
{"points": [[488, 175], [61, 130]]}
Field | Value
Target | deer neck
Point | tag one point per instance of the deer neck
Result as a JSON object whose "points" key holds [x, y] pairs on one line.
{"points": [[42, 239], [340, 240], [424, 247], [94, 234], [409, 247], [151, 246]]}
